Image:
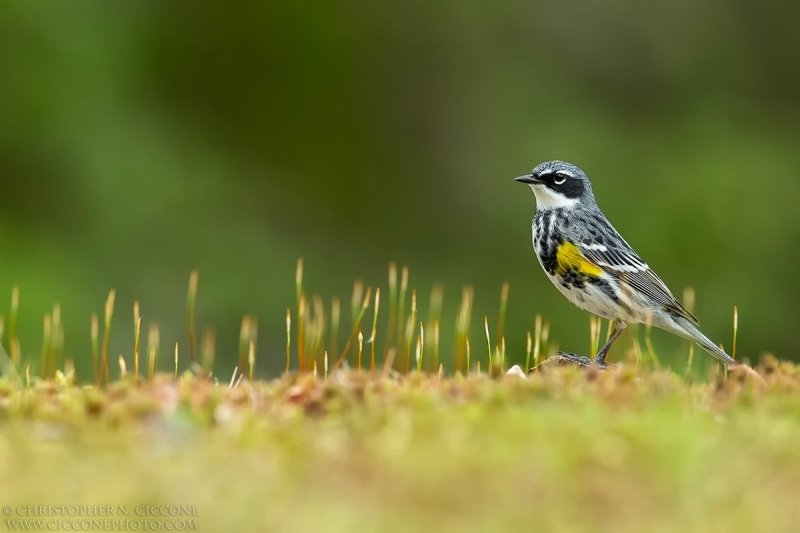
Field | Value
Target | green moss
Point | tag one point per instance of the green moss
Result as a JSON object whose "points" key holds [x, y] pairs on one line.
{"points": [[565, 450]]}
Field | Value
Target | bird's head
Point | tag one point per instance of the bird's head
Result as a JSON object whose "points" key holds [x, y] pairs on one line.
{"points": [[557, 184]]}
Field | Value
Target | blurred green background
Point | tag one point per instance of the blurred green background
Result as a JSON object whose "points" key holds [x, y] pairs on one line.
{"points": [[141, 140]]}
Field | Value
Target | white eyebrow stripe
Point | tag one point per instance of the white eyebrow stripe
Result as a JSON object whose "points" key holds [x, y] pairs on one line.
{"points": [[551, 171]]}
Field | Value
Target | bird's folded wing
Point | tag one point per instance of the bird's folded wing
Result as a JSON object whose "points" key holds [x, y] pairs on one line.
{"points": [[625, 265]]}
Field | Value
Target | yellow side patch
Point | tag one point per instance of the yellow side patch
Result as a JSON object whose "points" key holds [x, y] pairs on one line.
{"points": [[570, 258]]}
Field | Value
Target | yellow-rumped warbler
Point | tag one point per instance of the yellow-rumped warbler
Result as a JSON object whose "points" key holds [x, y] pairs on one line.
{"points": [[593, 266]]}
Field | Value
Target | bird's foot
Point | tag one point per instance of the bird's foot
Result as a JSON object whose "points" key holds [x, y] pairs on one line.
{"points": [[567, 359], [570, 358]]}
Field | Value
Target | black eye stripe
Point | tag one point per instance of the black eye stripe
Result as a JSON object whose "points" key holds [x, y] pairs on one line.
{"points": [[556, 178], [561, 182]]}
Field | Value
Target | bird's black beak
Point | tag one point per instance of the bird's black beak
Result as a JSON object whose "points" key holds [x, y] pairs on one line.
{"points": [[529, 179]]}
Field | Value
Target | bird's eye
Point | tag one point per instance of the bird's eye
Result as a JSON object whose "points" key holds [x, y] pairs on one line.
{"points": [[559, 179]]}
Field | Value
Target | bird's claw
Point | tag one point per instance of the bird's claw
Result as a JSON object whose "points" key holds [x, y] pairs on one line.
{"points": [[585, 361], [567, 358], [578, 359]]}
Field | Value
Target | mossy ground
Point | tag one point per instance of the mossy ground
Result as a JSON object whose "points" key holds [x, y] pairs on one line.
{"points": [[408, 443], [566, 450]]}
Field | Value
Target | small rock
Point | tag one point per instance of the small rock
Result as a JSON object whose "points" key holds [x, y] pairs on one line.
{"points": [[516, 371]]}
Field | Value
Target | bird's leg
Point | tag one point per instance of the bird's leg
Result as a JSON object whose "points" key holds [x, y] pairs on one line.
{"points": [[600, 358]]}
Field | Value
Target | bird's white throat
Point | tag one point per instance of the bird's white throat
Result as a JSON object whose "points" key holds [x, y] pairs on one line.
{"points": [[546, 198]]}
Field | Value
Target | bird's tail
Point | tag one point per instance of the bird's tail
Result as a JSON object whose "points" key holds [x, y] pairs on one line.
{"points": [[690, 331]]}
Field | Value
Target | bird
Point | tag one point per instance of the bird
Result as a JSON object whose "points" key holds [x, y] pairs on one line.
{"points": [[595, 268]]}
